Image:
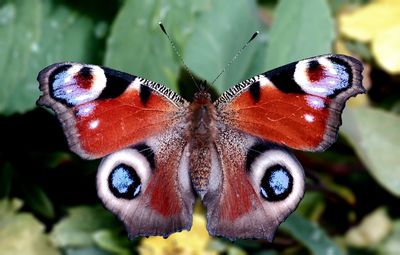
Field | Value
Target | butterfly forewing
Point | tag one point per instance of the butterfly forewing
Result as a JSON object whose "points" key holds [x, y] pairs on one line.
{"points": [[298, 105], [103, 110]]}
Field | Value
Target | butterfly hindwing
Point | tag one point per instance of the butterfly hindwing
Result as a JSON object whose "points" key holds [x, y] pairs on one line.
{"points": [[148, 187], [298, 105], [254, 186], [103, 110]]}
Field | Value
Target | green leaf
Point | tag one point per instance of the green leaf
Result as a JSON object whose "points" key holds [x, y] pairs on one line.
{"points": [[233, 250], [38, 200], [137, 44], [220, 247], [300, 29], [86, 251], [391, 246], [272, 252], [375, 136], [34, 34], [19, 33], [113, 243], [310, 235], [78, 228], [6, 173], [219, 33], [312, 204], [371, 231], [9, 207], [21, 233]]}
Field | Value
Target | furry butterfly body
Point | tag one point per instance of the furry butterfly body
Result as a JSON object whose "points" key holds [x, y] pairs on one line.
{"points": [[160, 151]]}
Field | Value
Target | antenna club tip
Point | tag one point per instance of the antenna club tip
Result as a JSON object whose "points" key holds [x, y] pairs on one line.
{"points": [[253, 36], [162, 27]]}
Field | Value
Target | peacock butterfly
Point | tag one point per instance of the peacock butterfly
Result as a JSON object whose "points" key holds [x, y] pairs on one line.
{"points": [[160, 151]]}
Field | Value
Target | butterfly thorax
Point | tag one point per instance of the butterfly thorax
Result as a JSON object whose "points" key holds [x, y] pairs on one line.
{"points": [[202, 133]]}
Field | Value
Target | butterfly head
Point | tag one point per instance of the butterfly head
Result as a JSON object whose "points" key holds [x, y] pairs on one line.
{"points": [[203, 86], [202, 96]]}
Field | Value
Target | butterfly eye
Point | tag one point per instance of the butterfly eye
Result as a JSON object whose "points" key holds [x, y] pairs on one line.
{"points": [[124, 182], [276, 184]]}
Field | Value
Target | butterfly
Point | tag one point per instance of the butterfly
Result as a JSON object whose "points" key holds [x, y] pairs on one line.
{"points": [[160, 151]]}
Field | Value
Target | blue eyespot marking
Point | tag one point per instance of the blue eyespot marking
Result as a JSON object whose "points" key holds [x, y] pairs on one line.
{"points": [[279, 181], [276, 184], [124, 182], [121, 180]]}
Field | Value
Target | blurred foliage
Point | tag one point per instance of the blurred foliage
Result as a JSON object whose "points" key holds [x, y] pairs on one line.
{"points": [[296, 34], [48, 195], [367, 25], [21, 233]]}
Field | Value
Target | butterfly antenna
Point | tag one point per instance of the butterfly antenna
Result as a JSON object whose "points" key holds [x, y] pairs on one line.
{"points": [[177, 53], [236, 56]]}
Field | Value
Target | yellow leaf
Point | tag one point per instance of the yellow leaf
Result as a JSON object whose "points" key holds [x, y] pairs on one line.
{"points": [[185, 243], [366, 22], [377, 23], [387, 1], [386, 49]]}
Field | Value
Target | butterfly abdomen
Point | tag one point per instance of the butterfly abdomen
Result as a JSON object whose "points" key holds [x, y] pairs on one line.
{"points": [[202, 133]]}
